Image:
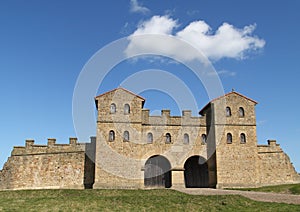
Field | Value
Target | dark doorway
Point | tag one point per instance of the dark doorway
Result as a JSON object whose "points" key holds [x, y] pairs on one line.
{"points": [[196, 172], [157, 172]]}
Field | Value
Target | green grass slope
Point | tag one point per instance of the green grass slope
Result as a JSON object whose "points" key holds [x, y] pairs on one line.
{"points": [[129, 200], [284, 189]]}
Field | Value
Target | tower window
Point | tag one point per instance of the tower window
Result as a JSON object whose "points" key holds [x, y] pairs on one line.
{"points": [[126, 136], [241, 112], [168, 138], [228, 111], [186, 138], [111, 136], [229, 138], [126, 109], [113, 108], [149, 138], [243, 138], [203, 137]]}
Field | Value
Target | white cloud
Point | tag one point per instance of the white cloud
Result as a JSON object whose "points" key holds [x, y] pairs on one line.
{"points": [[136, 7], [156, 25], [226, 42]]}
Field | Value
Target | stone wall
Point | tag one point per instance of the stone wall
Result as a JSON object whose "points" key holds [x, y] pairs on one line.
{"points": [[235, 161], [47, 166], [274, 166], [246, 164], [119, 97], [121, 163]]}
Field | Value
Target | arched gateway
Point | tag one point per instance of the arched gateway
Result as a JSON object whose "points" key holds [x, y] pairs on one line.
{"points": [[196, 172], [157, 172]]}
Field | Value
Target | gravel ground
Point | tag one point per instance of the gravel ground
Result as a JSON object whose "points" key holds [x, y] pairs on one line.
{"points": [[258, 196]]}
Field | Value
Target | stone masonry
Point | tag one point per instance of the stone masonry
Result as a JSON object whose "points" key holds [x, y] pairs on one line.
{"points": [[48, 166], [133, 149]]}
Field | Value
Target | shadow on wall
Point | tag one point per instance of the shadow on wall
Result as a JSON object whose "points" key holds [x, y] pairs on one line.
{"points": [[89, 164]]}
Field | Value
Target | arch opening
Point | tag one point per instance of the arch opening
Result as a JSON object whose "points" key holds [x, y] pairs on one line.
{"points": [[196, 172], [158, 172]]}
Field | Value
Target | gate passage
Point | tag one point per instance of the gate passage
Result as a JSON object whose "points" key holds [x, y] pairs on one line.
{"points": [[196, 173], [157, 172]]}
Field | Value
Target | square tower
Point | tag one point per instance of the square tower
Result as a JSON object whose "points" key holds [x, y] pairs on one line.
{"points": [[232, 131]]}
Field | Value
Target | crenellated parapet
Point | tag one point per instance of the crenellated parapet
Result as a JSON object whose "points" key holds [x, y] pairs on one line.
{"points": [[50, 166], [31, 148], [167, 120], [272, 147]]}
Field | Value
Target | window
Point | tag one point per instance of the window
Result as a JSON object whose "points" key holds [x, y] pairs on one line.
{"points": [[243, 138], [149, 138], [111, 136], [126, 136], [168, 138], [126, 109], [186, 138], [203, 137], [228, 111], [241, 112], [229, 138], [113, 108]]}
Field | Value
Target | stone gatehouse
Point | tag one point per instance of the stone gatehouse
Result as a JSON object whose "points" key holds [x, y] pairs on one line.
{"points": [[133, 149]]}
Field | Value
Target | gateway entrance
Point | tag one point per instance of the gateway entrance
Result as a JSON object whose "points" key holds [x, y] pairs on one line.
{"points": [[157, 172]]}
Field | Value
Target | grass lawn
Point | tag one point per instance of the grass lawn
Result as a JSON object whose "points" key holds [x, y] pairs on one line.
{"points": [[129, 200], [284, 189]]}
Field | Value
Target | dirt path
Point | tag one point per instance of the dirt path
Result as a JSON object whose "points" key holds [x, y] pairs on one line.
{"points": [[258, 196]]}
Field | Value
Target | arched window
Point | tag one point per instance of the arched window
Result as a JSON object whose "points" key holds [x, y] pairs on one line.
{"points": [[149, 138], [228, 111], [168, 138], [243, 138], [203, 137], [126, 109], [126, 136], [111, 136], [186, 138], [113, 108], [229, 138], [241, 112]]}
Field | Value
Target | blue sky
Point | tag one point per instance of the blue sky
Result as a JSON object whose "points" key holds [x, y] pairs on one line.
{"points": [[45, 44]]}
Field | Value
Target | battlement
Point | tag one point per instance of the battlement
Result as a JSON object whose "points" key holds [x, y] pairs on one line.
{"points": [[271, 147], [31, 149], [53, 165], [166, 119]]}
